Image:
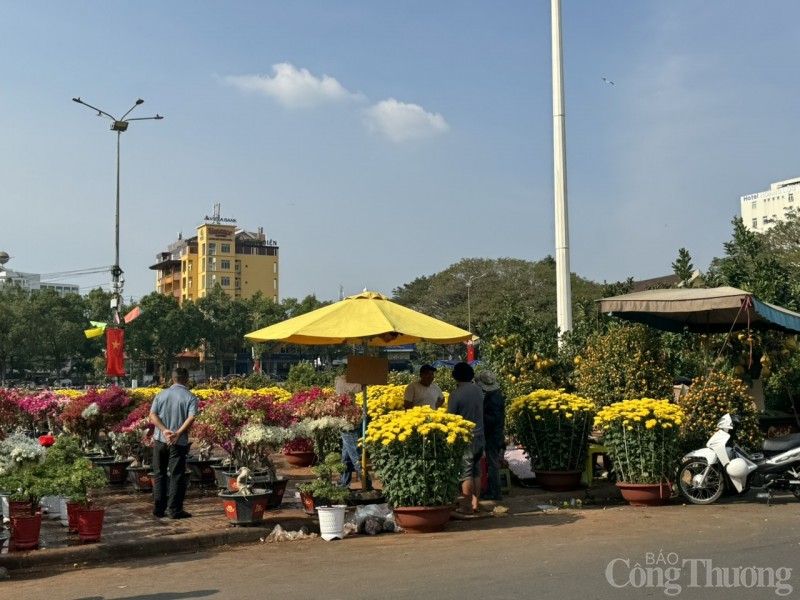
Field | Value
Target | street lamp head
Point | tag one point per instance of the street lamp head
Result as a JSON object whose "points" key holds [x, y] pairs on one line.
{"points": [[119, 126], [158, 117], [139, 101], [78, 100]]}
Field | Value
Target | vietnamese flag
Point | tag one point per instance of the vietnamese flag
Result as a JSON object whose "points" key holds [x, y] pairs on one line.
{"points": [[114, 352]]}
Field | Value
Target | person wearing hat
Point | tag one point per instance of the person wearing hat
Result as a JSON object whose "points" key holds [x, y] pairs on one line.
{"points": [[423, 392], [494, 419], [467, 402]]}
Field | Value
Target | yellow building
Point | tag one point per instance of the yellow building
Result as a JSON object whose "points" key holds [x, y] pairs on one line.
{"points": [[241, 262]]}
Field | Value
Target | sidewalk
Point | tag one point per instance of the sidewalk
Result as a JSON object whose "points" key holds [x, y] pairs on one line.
{"points": [[131, 531]]}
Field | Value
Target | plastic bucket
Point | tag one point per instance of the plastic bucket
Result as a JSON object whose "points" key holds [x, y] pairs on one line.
{"points": [[331, 522]]}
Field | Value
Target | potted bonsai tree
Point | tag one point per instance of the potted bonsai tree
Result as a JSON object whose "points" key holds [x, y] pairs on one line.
{"points": [[74, 476], [326, 497], [322, 490]]}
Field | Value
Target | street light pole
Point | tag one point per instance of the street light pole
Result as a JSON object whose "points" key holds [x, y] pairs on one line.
{"points": [[118, 125], [468, 281]]}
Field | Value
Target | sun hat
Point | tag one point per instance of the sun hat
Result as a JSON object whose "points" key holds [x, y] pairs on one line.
{"points": [[487, 381]]}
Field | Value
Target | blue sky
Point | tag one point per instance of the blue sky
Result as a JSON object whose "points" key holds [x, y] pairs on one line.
{"points": [[378, 142]]}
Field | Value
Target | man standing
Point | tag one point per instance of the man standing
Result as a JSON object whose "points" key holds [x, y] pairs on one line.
{"points": [[172, 413], [494, 419], [467, 402], [351, 457], [423, 392]]}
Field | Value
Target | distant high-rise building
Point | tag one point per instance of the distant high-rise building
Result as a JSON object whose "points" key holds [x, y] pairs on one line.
{"points": [[240, 262], [762, 210], [31, 282]]}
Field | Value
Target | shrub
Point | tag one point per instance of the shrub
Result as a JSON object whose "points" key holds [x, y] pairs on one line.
{"points": [[710, 398], [623, 364]]}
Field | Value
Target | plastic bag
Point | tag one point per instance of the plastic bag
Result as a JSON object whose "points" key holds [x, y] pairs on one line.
{"points": [[278, 534], [373, 519]]}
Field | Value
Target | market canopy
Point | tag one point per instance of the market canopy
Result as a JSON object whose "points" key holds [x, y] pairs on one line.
{"points": [[701, 310], [368, 316]]}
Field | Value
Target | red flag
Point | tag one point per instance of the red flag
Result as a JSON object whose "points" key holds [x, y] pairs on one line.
{"points": [[114, 352], [133, 314]]}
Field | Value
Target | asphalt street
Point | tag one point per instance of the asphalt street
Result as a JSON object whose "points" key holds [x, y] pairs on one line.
{"points": [[737, 549]]}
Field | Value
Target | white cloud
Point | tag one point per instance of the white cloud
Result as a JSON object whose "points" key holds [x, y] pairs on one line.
{"points": [[293, 87], [400, 121]]}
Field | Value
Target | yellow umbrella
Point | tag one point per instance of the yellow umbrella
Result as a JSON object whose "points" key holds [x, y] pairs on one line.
{"points": [[366, 318]]}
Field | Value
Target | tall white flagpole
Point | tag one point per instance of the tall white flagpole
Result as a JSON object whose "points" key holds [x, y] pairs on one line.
{"points": [[563, 286]]}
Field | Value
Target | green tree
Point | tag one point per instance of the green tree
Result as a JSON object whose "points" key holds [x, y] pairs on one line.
{"points": [[226, 321], [164, 330], [683, 267]]}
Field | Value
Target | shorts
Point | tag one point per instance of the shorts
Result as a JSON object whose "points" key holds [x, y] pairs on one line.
{"points": [[472, 462]]}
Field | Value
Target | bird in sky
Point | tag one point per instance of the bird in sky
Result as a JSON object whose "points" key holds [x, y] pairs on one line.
{"points": [[608, 81]]}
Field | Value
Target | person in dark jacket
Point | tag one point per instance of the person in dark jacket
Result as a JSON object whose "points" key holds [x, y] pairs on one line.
{"points": [[494, 420]]}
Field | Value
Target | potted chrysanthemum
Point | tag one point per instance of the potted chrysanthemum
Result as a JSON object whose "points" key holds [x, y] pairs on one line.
{"points": [[418, 455], [642, 438], [553, 428]]}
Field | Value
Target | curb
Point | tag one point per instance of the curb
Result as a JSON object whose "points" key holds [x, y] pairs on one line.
{"points": [[170, 544]]}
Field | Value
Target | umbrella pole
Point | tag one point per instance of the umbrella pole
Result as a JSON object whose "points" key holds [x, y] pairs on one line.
{"points": [[364, 437]]}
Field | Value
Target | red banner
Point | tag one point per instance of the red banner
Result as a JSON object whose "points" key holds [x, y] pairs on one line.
{"points": [[115, 339]]}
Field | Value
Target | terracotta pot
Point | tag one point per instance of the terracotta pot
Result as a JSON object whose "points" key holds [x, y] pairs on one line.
{"points": [[245, 510], [72, 516], [90, 523], [646, 494], [300, 459], [276, 487], [140, 478], [25, 531], [559, 481], [422, 519], [19, 508], [202, 471], [116, 470]]}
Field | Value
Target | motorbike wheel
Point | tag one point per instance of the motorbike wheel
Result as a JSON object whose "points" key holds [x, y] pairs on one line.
{"points": [[712, 488]]}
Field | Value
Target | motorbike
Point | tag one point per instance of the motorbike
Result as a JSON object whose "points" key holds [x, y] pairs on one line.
{"points": [[705, 473]]}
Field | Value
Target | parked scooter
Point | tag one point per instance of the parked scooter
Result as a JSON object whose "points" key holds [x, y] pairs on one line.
{"points": [[705, 472]]}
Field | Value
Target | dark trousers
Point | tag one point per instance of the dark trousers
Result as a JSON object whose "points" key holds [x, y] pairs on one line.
{"points": [[169, 466], [494, 452]]}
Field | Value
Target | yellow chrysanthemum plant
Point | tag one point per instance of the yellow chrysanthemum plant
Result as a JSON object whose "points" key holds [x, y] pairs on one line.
{"points": [[553, 427], [418, 455], [642, 437]]}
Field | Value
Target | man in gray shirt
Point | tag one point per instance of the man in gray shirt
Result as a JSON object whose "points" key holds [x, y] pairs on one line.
{"points": [[467, 401], [173, 412]]}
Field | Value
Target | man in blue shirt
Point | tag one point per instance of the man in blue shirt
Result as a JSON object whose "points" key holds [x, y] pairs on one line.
{"points": [[172, 413]]}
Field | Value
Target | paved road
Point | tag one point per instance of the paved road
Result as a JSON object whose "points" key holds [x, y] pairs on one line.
{"points": [[675, 551]]}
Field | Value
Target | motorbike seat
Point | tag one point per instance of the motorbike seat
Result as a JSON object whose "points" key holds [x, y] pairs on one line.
{"points": [[782, 444]]}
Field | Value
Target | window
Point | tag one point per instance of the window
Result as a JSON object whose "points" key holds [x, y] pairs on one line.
{"points": [[225, 248], [238, 264], [275, 267], [755, 223], [225, 265], [212, 264], [202, 249], [791, 197], [226, 281], [763, 220], [212, 248], [238, 283], [203, 282]]}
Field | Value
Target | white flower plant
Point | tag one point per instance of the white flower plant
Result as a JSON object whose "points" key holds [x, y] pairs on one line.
{"points": [[253, 444]]}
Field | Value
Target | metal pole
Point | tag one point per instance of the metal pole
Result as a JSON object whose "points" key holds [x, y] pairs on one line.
{"points": [[563, 285]]}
